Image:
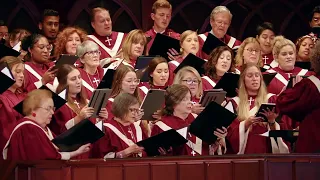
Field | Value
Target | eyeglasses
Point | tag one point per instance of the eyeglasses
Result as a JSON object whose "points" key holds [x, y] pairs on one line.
{"points": [[253, 50], [49, 108], [135, 81], [134, 110], [92, 53], [48, 47], [190, 81]]}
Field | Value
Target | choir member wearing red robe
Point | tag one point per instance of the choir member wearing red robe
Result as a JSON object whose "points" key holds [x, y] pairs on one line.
{"points": [[190, 77], [125, 80], [158, 74], [10, 98], [189, 43], [265, 36], [177, 115], [110, 42], [161, 16], [91, 71], [302, 103], [31, 138], [244, 134], [123, 131], [220, 20]]}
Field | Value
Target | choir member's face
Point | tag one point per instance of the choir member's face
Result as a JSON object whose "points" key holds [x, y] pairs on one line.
{"points": [[17, 72], [191, 81], [130, 83], [72, 43], [44, 112], [305, 49], [251, 53], [315, 20], [224, 62], [132, 114], [220, 24], [287, 58], [161, 18], [136, 50], [74, 82], [161, 74], [190, 44], [50, 26], [4, 32], [91, 58], [102, 23], [266, 40], [252, 79], [40, 52], [185, 106]]}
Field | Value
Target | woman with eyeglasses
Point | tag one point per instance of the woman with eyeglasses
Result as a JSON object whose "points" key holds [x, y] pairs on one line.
{"points": [[31, 137], [244, 132], [121, 132], [190, 77], [10, 98], [221, 60], [38, 68], [176, 115], [158, 73], [284, 52], [189, 43], [249, 52], [91, 72]]}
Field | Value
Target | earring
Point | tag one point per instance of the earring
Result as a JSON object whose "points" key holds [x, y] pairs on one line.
{"points": [[181, 50], [34, 114]]}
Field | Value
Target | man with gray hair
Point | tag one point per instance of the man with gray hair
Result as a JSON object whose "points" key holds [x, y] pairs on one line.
{"points": [[220, 20]]}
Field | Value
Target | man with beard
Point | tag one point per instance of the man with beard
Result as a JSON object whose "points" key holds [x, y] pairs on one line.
{"points": [[220, 20], [49, 26]]}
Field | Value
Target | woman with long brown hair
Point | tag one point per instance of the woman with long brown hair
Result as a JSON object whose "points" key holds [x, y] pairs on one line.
{"points": [[243, 133]]}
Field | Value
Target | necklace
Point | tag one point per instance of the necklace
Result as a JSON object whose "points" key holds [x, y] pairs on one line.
{"points": [[96, 81], [130, 131], [193, 153]]}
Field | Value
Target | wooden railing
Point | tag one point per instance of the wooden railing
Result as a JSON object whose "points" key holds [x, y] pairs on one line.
{"points": [[246, 167]]}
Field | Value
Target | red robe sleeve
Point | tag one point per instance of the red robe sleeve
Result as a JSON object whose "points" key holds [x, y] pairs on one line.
{"points": [[60, 118], [172, 67], [31, 143]]}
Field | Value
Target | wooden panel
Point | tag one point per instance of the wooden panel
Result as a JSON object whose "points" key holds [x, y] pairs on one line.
{"points": [[48, 174], [248, 170], [307, 170], [164, 172], [22, 173], [219, 170], [280, 170], [136, 172], [191, 171], [113, 173], [84, 173]]}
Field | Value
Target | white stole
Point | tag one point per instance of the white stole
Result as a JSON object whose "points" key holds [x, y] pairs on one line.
{"points": [[212, 83], [112, 52]]}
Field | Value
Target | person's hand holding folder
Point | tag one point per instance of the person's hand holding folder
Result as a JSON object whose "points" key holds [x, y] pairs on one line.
{"points": [[197, 108], [103, 114], [271, 115], [82, 149], [252, 120], [85, 113], [49, 75], [133, 149]]}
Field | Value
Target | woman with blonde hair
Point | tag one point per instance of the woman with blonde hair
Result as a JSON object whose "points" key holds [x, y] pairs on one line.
{"points": [[249, 52], [189, 43], [190, 77], [68, 40], [284, 51], [243, 132], [10, 98]]}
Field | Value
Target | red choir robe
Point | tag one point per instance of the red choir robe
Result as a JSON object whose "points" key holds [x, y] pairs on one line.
{"points": [[282, 78], [109, 107], [151, 34], [108, 45], [268, 60], [250, 142], [208, 83], [145, 86], [8, 116], [228, 40], [193, 147], [172, 66], [117, 138], [302, 103], [33, 74], [29, 141], [91, 82]]}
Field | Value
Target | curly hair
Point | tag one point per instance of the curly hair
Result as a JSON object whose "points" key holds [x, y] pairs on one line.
{"points": [[62, 39], [210, 65], [315, 58]]}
